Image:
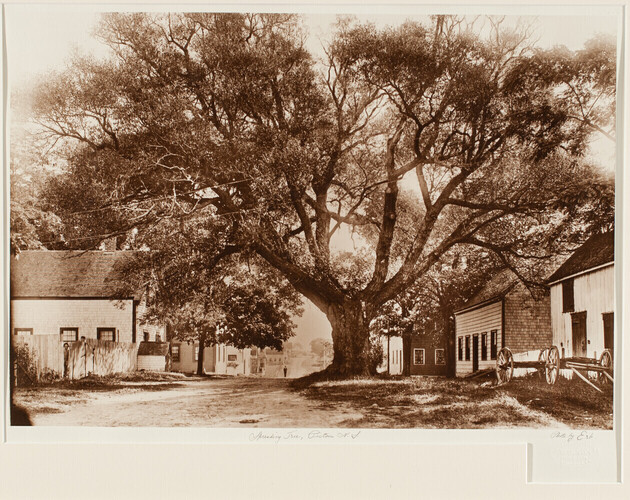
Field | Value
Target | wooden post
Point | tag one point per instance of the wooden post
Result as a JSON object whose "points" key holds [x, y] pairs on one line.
{"points": [[585, 379]]}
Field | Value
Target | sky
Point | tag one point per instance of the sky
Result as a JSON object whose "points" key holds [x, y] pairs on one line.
{"points": [[42, 38]]}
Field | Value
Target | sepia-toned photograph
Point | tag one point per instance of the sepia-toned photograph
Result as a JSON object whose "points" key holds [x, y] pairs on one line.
{"points": [[312, 221]]}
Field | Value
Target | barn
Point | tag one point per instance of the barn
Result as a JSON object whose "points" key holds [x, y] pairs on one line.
{"points": [[583, 299], [502, 314]]}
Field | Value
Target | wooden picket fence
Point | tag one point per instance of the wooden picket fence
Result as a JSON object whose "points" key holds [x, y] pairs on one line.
{"points": [[51, 358]]}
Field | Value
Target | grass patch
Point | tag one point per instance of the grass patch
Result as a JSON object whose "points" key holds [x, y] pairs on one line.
{"points": [[446, 403]]}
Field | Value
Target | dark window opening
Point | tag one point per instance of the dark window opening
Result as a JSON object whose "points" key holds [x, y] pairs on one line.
{"points": [[231, 357], [175, 353], [484, 346], [106, 334], [609, 329], [145, 336], [493, 344], [568, 297], [460, 355], [467, 347]]}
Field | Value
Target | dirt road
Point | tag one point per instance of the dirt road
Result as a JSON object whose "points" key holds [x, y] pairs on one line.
{"points": [[229, 402], [172, 400]]}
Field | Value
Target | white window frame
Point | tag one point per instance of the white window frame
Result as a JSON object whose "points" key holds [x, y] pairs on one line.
{"points": [[75, 329], [424, 356], [443, 357], [22, 332]]}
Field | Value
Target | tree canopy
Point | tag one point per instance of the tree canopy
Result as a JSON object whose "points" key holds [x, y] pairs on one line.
{"points": [[227, 120]]}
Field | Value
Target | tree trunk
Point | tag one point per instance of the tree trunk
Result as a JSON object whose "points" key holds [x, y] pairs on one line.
{"points": [[202, 348], [351, 339]]}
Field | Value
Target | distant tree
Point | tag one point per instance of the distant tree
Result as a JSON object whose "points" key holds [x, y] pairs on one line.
{"points": [[319, 347], [33, 223], [218, 300], [230, 116]]}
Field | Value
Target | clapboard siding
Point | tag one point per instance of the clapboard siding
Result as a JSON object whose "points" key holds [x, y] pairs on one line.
{"points": [[594, 292], [152, 363], [478, 321], [47, 316]]}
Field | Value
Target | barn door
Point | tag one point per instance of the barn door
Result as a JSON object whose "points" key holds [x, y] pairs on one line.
{"points": [[609, 326], [475, 353], [578, 332]]}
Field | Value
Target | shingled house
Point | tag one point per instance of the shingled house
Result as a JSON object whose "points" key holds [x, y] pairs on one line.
{"points": [[72, 295], [502, 314], [583, 299]]}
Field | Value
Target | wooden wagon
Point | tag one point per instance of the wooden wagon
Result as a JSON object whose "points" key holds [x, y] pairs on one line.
{"points": [[550, 363]]}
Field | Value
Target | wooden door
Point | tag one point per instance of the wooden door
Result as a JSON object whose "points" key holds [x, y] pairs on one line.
{"points": [[475, 353], [578, 333], [609, 328]]}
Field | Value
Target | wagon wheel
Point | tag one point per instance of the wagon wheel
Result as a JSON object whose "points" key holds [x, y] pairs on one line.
{"points": [[542, 359], [505, 365], [606, 361], [552, 365]]}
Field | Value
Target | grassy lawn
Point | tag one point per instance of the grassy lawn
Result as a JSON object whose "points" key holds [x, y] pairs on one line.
{"points": [[467, 404]]}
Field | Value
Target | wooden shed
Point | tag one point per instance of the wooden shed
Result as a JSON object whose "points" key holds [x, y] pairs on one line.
{"points": [[502, 314], [583, 299], [153, 356]]}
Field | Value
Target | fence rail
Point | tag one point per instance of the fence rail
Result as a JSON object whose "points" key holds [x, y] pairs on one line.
{"points": [[52, 358]]}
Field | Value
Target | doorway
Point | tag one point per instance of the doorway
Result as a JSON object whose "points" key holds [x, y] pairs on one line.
{"points": [[578, 334], [475, 356]]}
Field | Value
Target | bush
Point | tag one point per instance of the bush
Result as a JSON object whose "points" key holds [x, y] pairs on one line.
{"points": [[26, 366]]}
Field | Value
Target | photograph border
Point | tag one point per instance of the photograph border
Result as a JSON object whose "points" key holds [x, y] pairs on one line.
{"points": [[168, 462]]}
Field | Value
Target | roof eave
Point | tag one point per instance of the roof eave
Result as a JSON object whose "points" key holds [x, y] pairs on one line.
{"points": [[586, 271]]}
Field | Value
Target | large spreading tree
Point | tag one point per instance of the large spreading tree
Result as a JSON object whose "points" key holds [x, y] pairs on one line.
{"points": [[228, 119]]}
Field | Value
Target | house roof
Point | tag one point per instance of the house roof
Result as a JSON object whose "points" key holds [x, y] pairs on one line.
{"points": [[72, 274], [598, 250], [496, 288]]}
